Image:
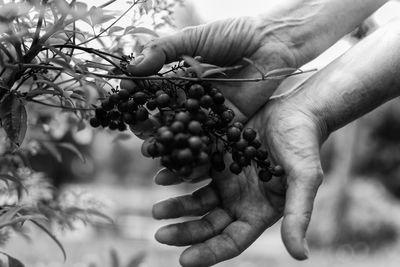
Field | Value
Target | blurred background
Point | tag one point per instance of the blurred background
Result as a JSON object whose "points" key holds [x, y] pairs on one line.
{"points": [[356, 221]]}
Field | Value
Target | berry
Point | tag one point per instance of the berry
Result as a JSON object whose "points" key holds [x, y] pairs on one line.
{"points": [[241, 145], [195, 128], [196, 91], [227, 116], [238, 125], [233, 134], [123, 106], [213, 92], [151, 104], [114, 99], [195, 143], [152, 150], [166, 161], [185, 171], [235, 168], [139, 98], [153, 88], [163, 100], [167, 137], [249, 152], [113, 125], [203, 158], [185, 156], [100, 113], [115, 115], [192, 105], [265, 176], [219, 98], [94, 122], [182, 117], [128, 118], [278, 171], [249, 134], [206, 101], [132, 106], [181, 140], [142, 114], [262, 154], [107, 105], [123, 94], [256, 143], [177, 127]]}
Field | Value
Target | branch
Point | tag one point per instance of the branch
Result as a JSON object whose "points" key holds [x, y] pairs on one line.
{"points": [[59, 106], [112, 24]]}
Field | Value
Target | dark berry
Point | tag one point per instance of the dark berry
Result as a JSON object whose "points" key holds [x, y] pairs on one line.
{"points": [[107, 105], [241, 145], [114, 99], [115, 115], [167, 137], [177, 127], [163, 100], [185, 171], [162, 129], [265, 176], [201, 116], [195, 143], [128, 118], [94, 122], [262, 154], [195, 128], [113, 125], [242, 161], [139, 98], [219, 98], [233, 134], [151, 104], [166, 161], [196, 91], [278, 171], [249, 152], [256, 143], [235, 168], [181, 140], [182, 117], [219, 109], [142, 114], [100, 113], [132, 106], [206, 101], [203, 158], [153, 88], [227, 116], [122, 126], [249, 134], [123, 94], [185, 156], [213, 92], [238, 125], [152, 150], [192, 105], [123, 106]]}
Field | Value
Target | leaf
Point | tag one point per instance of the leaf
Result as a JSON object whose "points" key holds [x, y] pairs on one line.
{"points": [[146, 5], [142, 30], [194, 64], [61, 63], [50, 147], [13, 262], [73, 149], [115, 29], [97, 16], [20, 185], [37, 92], [251, 62], [52, 85], [22, 219], [52, 237], [14, 118]]}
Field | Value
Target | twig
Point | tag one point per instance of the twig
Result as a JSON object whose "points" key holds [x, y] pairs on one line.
{"points": [[60, 106], [112, 24]]}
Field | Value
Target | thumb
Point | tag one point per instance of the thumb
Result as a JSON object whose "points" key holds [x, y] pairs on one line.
{"points": [[303, 183], [166, 50]]}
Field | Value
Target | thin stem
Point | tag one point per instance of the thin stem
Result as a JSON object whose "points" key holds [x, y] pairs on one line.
{"points": [[60, 106], [87, 49], [112, 24], [158, 78]]}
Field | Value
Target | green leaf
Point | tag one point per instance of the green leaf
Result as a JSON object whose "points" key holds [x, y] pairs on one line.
{"points": [[115, 29], [14, 118], [50, 234], [22, 219], [52, 149], [13, 262]]}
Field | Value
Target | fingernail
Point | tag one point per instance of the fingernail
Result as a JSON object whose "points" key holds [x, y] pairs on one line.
{"points": [[137, 60], [306, 248]]}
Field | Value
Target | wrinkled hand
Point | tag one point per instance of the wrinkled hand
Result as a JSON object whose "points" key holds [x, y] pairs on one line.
{"points": [[238, 209]]}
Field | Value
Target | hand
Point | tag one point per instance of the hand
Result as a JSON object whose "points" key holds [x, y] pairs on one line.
{"points": [[294, 128]]}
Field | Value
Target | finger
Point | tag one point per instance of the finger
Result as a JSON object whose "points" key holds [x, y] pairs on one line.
{"points": [[303, 184], [167, 177], [165, 50], [193, 232], [232, 241], [196, 204]]}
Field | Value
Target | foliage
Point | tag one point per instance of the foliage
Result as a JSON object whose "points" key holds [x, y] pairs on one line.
{"points": [[53, 66]]}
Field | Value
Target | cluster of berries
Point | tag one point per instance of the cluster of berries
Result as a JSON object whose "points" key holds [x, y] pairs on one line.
{"points": [[194, 127]]}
